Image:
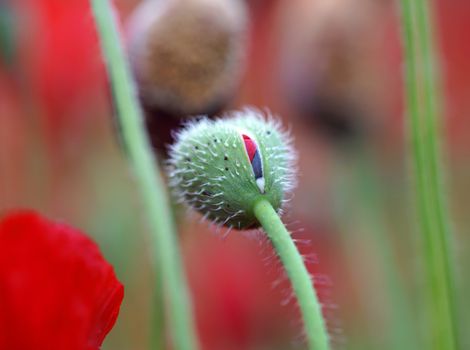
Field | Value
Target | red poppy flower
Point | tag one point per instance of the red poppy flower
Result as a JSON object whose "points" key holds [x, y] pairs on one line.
{"points": [[56, 289]]}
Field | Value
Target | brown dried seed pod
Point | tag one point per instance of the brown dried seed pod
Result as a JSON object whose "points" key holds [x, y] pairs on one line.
{"points": [[187, 55], [331, 70]]}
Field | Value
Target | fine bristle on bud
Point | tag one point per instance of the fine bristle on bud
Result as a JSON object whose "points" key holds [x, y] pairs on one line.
{"points": [[187, 55], [221, 168]]}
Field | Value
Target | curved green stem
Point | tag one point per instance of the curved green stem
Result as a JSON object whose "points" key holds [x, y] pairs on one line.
{"points": [[423, 95], [301, 282], [151, 184]]}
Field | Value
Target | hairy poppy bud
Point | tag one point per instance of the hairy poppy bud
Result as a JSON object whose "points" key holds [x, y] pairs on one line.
{"points": [[221, 168], [186, 54]]}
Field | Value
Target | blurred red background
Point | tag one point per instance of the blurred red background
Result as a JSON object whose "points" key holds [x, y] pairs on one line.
{"points": [[59, 154]]}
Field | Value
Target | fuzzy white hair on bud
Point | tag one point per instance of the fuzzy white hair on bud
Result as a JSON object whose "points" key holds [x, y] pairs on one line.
{"points": [[222, 167]]}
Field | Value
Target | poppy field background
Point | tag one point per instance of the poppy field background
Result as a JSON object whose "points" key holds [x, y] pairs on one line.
{"points": [[342, 96]]}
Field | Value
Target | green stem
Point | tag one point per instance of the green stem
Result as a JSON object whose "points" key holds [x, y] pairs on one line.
{"points": [[301, 282], [164, 243], [423, 95], [157, 335]]}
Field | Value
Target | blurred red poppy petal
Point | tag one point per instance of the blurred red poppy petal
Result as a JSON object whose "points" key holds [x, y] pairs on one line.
{"points": [[56, 289], [65, 67]]}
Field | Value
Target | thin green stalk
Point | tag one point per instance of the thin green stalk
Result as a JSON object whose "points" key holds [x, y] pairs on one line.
{"points": [[164, 242], [301, 282], [423, 95], [157, 335]]}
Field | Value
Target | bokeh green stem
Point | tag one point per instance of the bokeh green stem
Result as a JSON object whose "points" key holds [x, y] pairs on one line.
{"points": [[152, 186], [302, 284], [423, 109]]}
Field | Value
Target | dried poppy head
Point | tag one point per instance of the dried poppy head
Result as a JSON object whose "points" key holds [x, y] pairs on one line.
{"points": [[187, 54], [330, 76], [221, 168]]}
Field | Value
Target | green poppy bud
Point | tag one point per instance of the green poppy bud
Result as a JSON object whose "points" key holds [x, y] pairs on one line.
{"points": [[221, 168]]}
